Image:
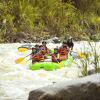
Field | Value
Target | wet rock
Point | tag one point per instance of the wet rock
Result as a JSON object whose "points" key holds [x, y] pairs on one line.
{"points": [[28, 46], [53, 40], [56, 40], [87, 88], [91, 71]]}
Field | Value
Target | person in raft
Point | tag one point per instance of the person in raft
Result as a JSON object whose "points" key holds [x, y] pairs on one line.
{"points": [[61, 53], [70, 43], [44, 50], [55, 56], [36, 54]]}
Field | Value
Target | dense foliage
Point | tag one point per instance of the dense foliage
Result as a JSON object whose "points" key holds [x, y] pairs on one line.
{"points": [[43, 18]]}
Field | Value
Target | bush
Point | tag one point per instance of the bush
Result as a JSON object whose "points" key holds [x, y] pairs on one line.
{"points": [[58, 17]]}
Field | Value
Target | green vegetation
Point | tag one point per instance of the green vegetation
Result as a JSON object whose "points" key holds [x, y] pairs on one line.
{"points": [[96, 60], [45, 18]]}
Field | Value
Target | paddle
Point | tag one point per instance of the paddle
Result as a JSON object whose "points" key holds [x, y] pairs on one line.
{"points": [[22, 49], [19, 60], [57, 58], [25, 62]]}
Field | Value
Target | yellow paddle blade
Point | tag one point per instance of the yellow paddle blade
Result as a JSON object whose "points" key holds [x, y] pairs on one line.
{"points": [[19, 60], [24, 63], [22, 49]]}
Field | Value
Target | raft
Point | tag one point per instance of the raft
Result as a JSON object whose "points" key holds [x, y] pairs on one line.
{"points": [[49, 66]]}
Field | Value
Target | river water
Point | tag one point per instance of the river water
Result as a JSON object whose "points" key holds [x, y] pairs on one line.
{"points": [[16, 80]]}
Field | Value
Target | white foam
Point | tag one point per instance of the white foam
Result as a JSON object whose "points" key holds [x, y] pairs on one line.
{"points": [[16, 80]]}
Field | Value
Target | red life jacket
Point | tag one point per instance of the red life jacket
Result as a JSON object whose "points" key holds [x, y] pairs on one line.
{"points": [[63, 52], [37, 57]]}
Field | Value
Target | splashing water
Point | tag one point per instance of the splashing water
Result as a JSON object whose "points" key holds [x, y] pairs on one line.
{"points": [[16, 80]]}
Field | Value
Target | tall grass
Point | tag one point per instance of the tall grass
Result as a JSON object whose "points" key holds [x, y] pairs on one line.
{"points": [[96, 57]]}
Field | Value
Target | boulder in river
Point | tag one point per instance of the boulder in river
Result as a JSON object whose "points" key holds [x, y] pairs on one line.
{"points": [[87, 88]]}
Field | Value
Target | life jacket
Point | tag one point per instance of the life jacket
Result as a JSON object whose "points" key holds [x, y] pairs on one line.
{"points": [[37, 57], [55, 55], [63, 53]]}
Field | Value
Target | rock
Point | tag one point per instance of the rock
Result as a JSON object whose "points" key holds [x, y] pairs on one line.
{"points": [[56, 40], [91, 71], [28, 46], [53, 40], [87, 88]]}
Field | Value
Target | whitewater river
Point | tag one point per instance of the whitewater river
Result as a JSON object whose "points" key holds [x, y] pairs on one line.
{"points": [[16, 80]]}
